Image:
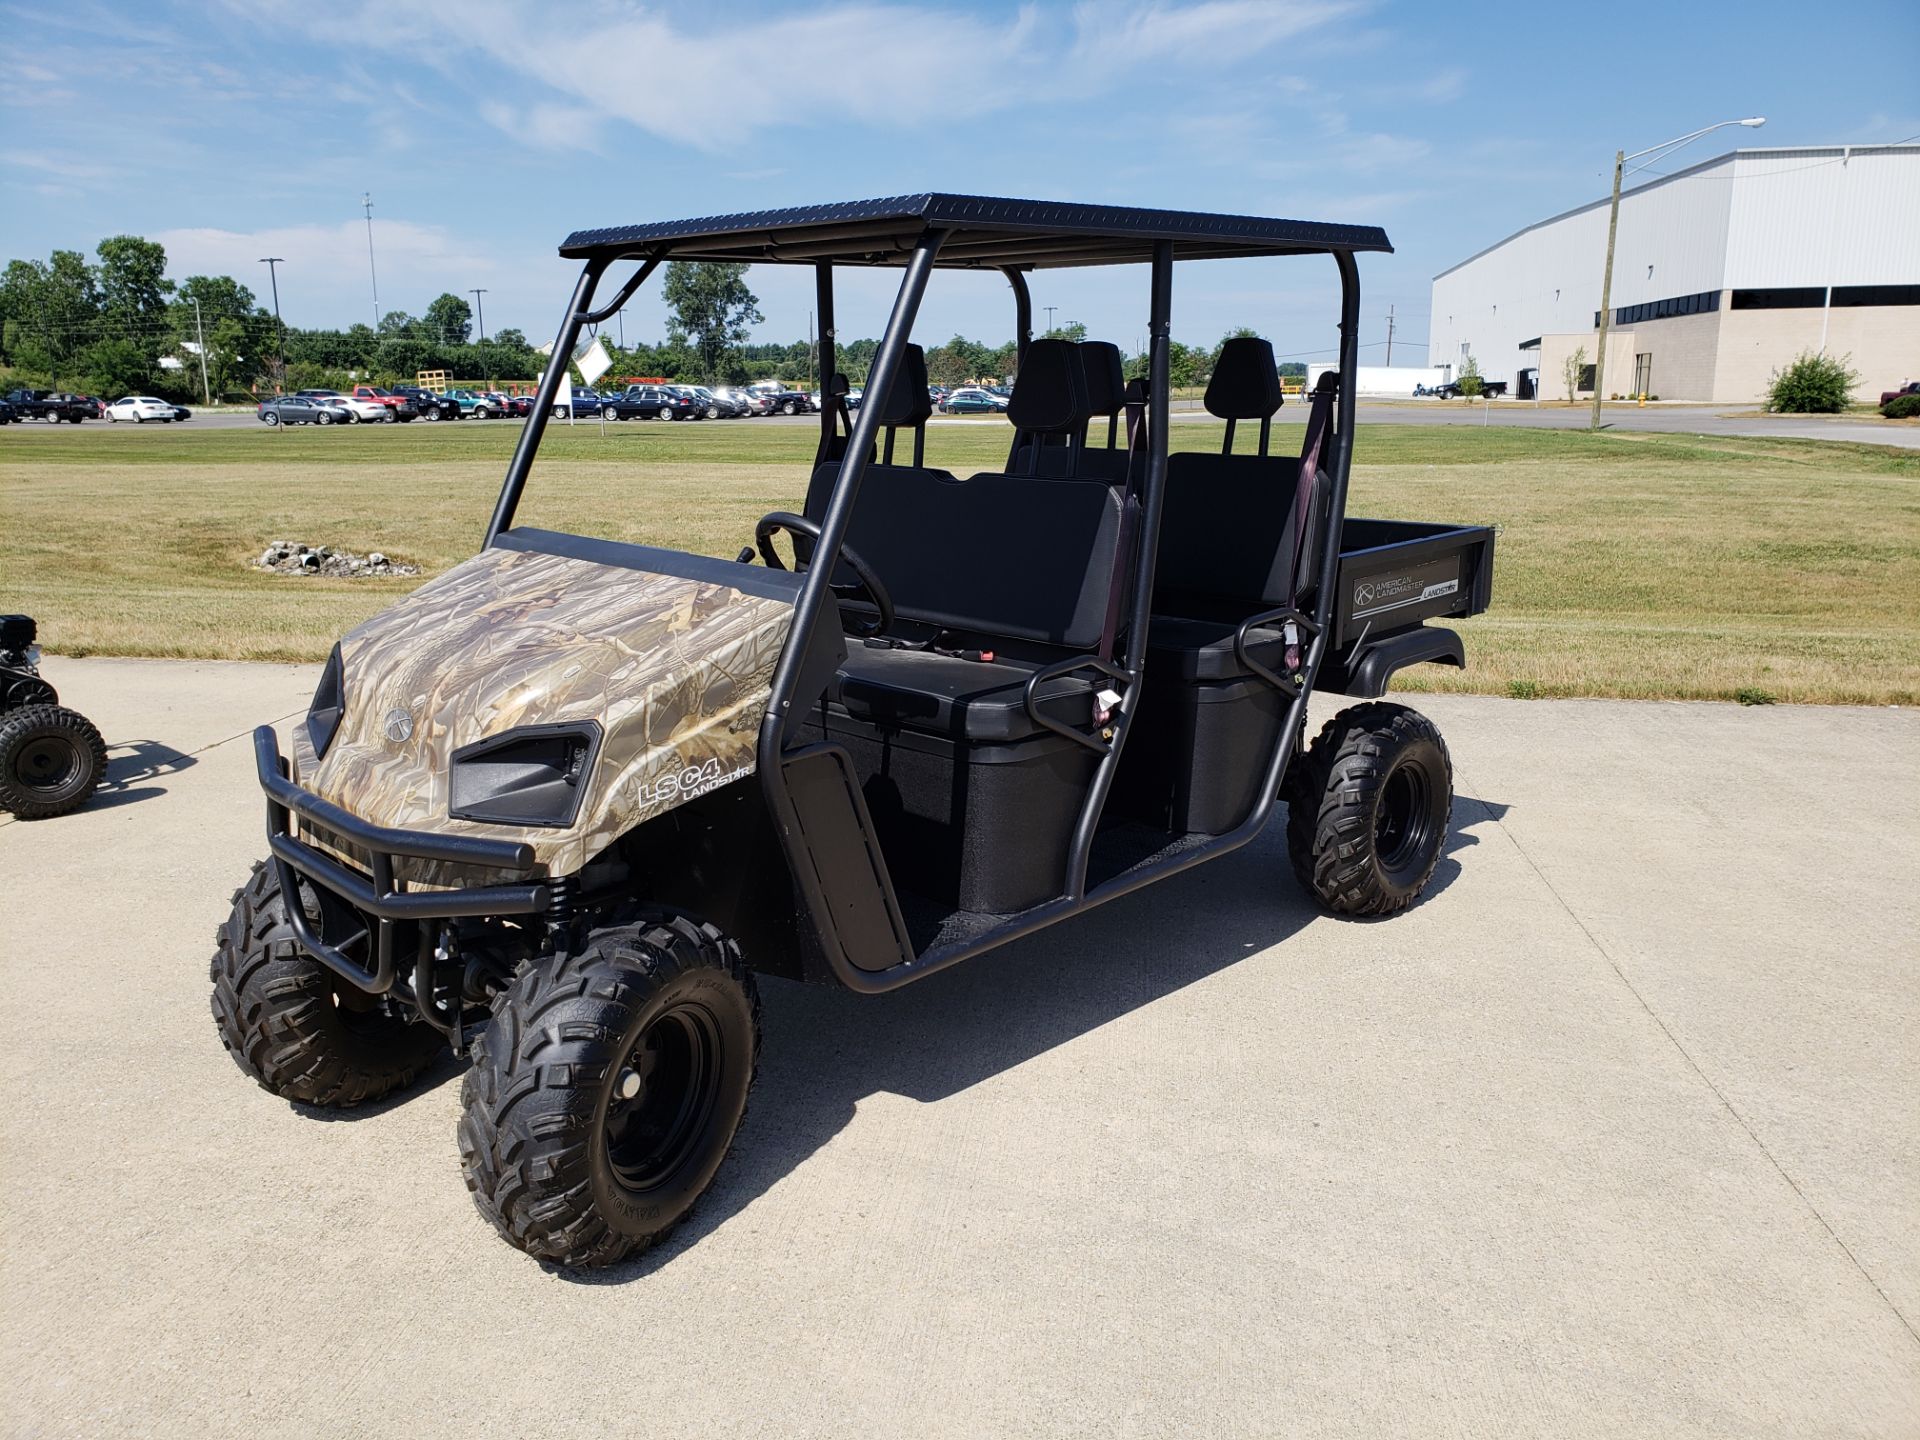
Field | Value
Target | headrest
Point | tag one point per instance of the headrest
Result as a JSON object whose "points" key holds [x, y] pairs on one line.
{"points": [[1106, 381], [1246, 382], [907, 401], [1050, 392], [838, 384], [1328, 383]]}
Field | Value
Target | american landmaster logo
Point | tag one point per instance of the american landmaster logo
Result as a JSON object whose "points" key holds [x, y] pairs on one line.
{"points": [[1390, 593]]}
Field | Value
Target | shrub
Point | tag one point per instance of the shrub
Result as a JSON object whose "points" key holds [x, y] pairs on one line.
{"points": [[1470, 377], [1753, 695], [1813, 384], [1572, 371], [1902, 407], [1523, 689]]}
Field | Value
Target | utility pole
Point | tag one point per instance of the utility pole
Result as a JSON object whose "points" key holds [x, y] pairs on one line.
{"points": [[201, 332], [273, 264], [1389, 337], [481, 311], [811, 354], [367, 201], [1606, 294], [1049, 309]]}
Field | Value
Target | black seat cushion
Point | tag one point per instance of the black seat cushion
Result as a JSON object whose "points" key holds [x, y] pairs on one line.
{"points": [[1246, 381], [1227, 528], [944, 695], [1202, 650]]}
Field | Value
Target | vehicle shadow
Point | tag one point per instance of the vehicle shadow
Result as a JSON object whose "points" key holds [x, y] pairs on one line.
{"points": [[132, 767], [825, 1049]]}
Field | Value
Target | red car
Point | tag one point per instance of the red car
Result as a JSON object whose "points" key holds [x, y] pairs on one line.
{"points": [[1912, 387], [402, 405]]}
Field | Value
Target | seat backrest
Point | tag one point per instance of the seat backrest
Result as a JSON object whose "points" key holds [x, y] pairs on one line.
{"points": [[1229, 528], [1112, 461]]}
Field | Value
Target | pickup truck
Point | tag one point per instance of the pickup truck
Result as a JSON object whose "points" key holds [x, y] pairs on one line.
{"points": [[1912, 387], [431, 406], [402, 406], [51, 406]]}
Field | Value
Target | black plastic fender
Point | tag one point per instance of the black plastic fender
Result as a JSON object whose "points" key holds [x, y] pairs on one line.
{"points": [[1365, 670]]}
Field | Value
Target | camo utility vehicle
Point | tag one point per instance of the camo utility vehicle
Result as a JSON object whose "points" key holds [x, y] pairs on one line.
{"points": [[52, 758], [561, 803]]}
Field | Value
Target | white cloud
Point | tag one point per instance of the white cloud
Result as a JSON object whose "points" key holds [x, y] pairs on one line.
{"points": [[713, 82], [416, 263]]}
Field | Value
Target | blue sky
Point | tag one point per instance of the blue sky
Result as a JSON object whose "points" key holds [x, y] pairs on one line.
{"points": [[485, 131]]}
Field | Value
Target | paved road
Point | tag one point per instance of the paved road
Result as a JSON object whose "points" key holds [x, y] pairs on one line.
{"points": [[1617, 1133], [1682, 419]]}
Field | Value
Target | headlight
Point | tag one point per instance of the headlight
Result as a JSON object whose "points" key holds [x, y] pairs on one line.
{"points": [[323, 715], [535, 775]]}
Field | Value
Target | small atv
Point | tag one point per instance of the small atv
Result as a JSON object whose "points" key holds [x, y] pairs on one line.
{"points": [[51, 758], [559, 807]]}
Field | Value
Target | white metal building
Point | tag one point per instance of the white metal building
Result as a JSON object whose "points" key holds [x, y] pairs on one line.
{"points": [[1722, 273]]}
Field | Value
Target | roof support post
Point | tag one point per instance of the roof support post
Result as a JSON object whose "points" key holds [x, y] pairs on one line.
{"points": [[1145, 544], [829, 412], [815, 594], [522, 463], [1022, 315], [1340, 459]]}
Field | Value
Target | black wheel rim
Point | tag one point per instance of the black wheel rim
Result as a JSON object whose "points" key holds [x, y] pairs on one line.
{"points": [[46, 762], [1403, 825], [677, 1060]]}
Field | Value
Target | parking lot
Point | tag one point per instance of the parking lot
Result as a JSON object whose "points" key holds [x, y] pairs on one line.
{"points": [[1617, 1132]]}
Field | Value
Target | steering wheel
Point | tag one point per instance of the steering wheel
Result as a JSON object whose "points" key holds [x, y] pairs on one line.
{"points": [[870, 586]]}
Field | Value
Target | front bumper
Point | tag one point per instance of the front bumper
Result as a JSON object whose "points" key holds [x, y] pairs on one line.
{"points": [[380, 897]]}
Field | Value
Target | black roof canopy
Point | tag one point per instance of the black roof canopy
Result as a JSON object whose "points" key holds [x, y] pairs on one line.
{"points": [[983, 232]]}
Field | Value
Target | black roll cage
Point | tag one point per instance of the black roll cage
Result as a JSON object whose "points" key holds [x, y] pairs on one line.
{"points": [[1092, 236]]}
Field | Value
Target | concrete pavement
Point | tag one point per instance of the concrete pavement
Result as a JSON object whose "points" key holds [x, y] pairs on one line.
{"points": [[1617, 1133]]}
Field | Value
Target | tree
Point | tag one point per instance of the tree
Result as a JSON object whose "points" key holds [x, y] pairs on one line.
{"points": [[1469, 378], [397, 325], [53, 309], [114, 368], [134, 285], [1812, 384], [448, 321], [1074, 331], [711, 311], [1572, 369], [511, 338]]}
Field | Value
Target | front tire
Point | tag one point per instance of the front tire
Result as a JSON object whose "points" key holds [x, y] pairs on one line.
{"points": [[608, 1088], [300, 1031], [51, 760], [1368, 809]]}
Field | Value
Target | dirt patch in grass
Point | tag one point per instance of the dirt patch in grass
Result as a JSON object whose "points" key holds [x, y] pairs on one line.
{"points": [[1637, 565]]}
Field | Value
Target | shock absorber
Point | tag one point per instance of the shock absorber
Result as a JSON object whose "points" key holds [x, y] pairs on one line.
{"points": [[560, 893]]}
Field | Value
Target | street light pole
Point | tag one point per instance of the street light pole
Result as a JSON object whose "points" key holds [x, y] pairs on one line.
{"points": [[273, 264], [372, 274], [481, 311], [1620, 158], [1050, 309]]}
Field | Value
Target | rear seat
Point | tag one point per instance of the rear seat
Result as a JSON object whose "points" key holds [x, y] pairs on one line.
{"points": [[1229, 541]]}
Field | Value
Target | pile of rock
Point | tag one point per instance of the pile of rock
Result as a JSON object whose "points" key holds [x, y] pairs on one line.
{"points": [[290, 557]]}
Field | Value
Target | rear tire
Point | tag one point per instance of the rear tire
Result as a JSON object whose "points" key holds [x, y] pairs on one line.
{"points": [[293, 1025], [1368, 809], [565, 1160], [51, 760]]}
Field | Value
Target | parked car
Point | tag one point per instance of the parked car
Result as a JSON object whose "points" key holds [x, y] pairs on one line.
{"points": [[53, 406], [358, 411], [142, 408], [586, 404], [745, 402], [432, 406], [520, 406], [971, 400], [7, 413], [1912, 387], [99, 406], [652, 402], [403, 406], [300, 410], [181, 412], [712, 406], [781, 401], [475, 406]]}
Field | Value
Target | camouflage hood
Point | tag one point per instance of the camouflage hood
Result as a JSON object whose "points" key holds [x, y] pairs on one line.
{"points": [[675, 671]]}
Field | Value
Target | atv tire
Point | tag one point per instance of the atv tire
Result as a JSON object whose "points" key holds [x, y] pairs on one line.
{"points": [[293, 1025], [51, 760], [1368, 809], [608, 1088]]}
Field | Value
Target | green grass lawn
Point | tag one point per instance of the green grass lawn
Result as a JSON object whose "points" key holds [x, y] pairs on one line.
{"points": [[1627, 565]]}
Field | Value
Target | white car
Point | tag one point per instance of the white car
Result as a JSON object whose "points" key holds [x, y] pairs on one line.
{"points": [[371, 411], [140, 409]]}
